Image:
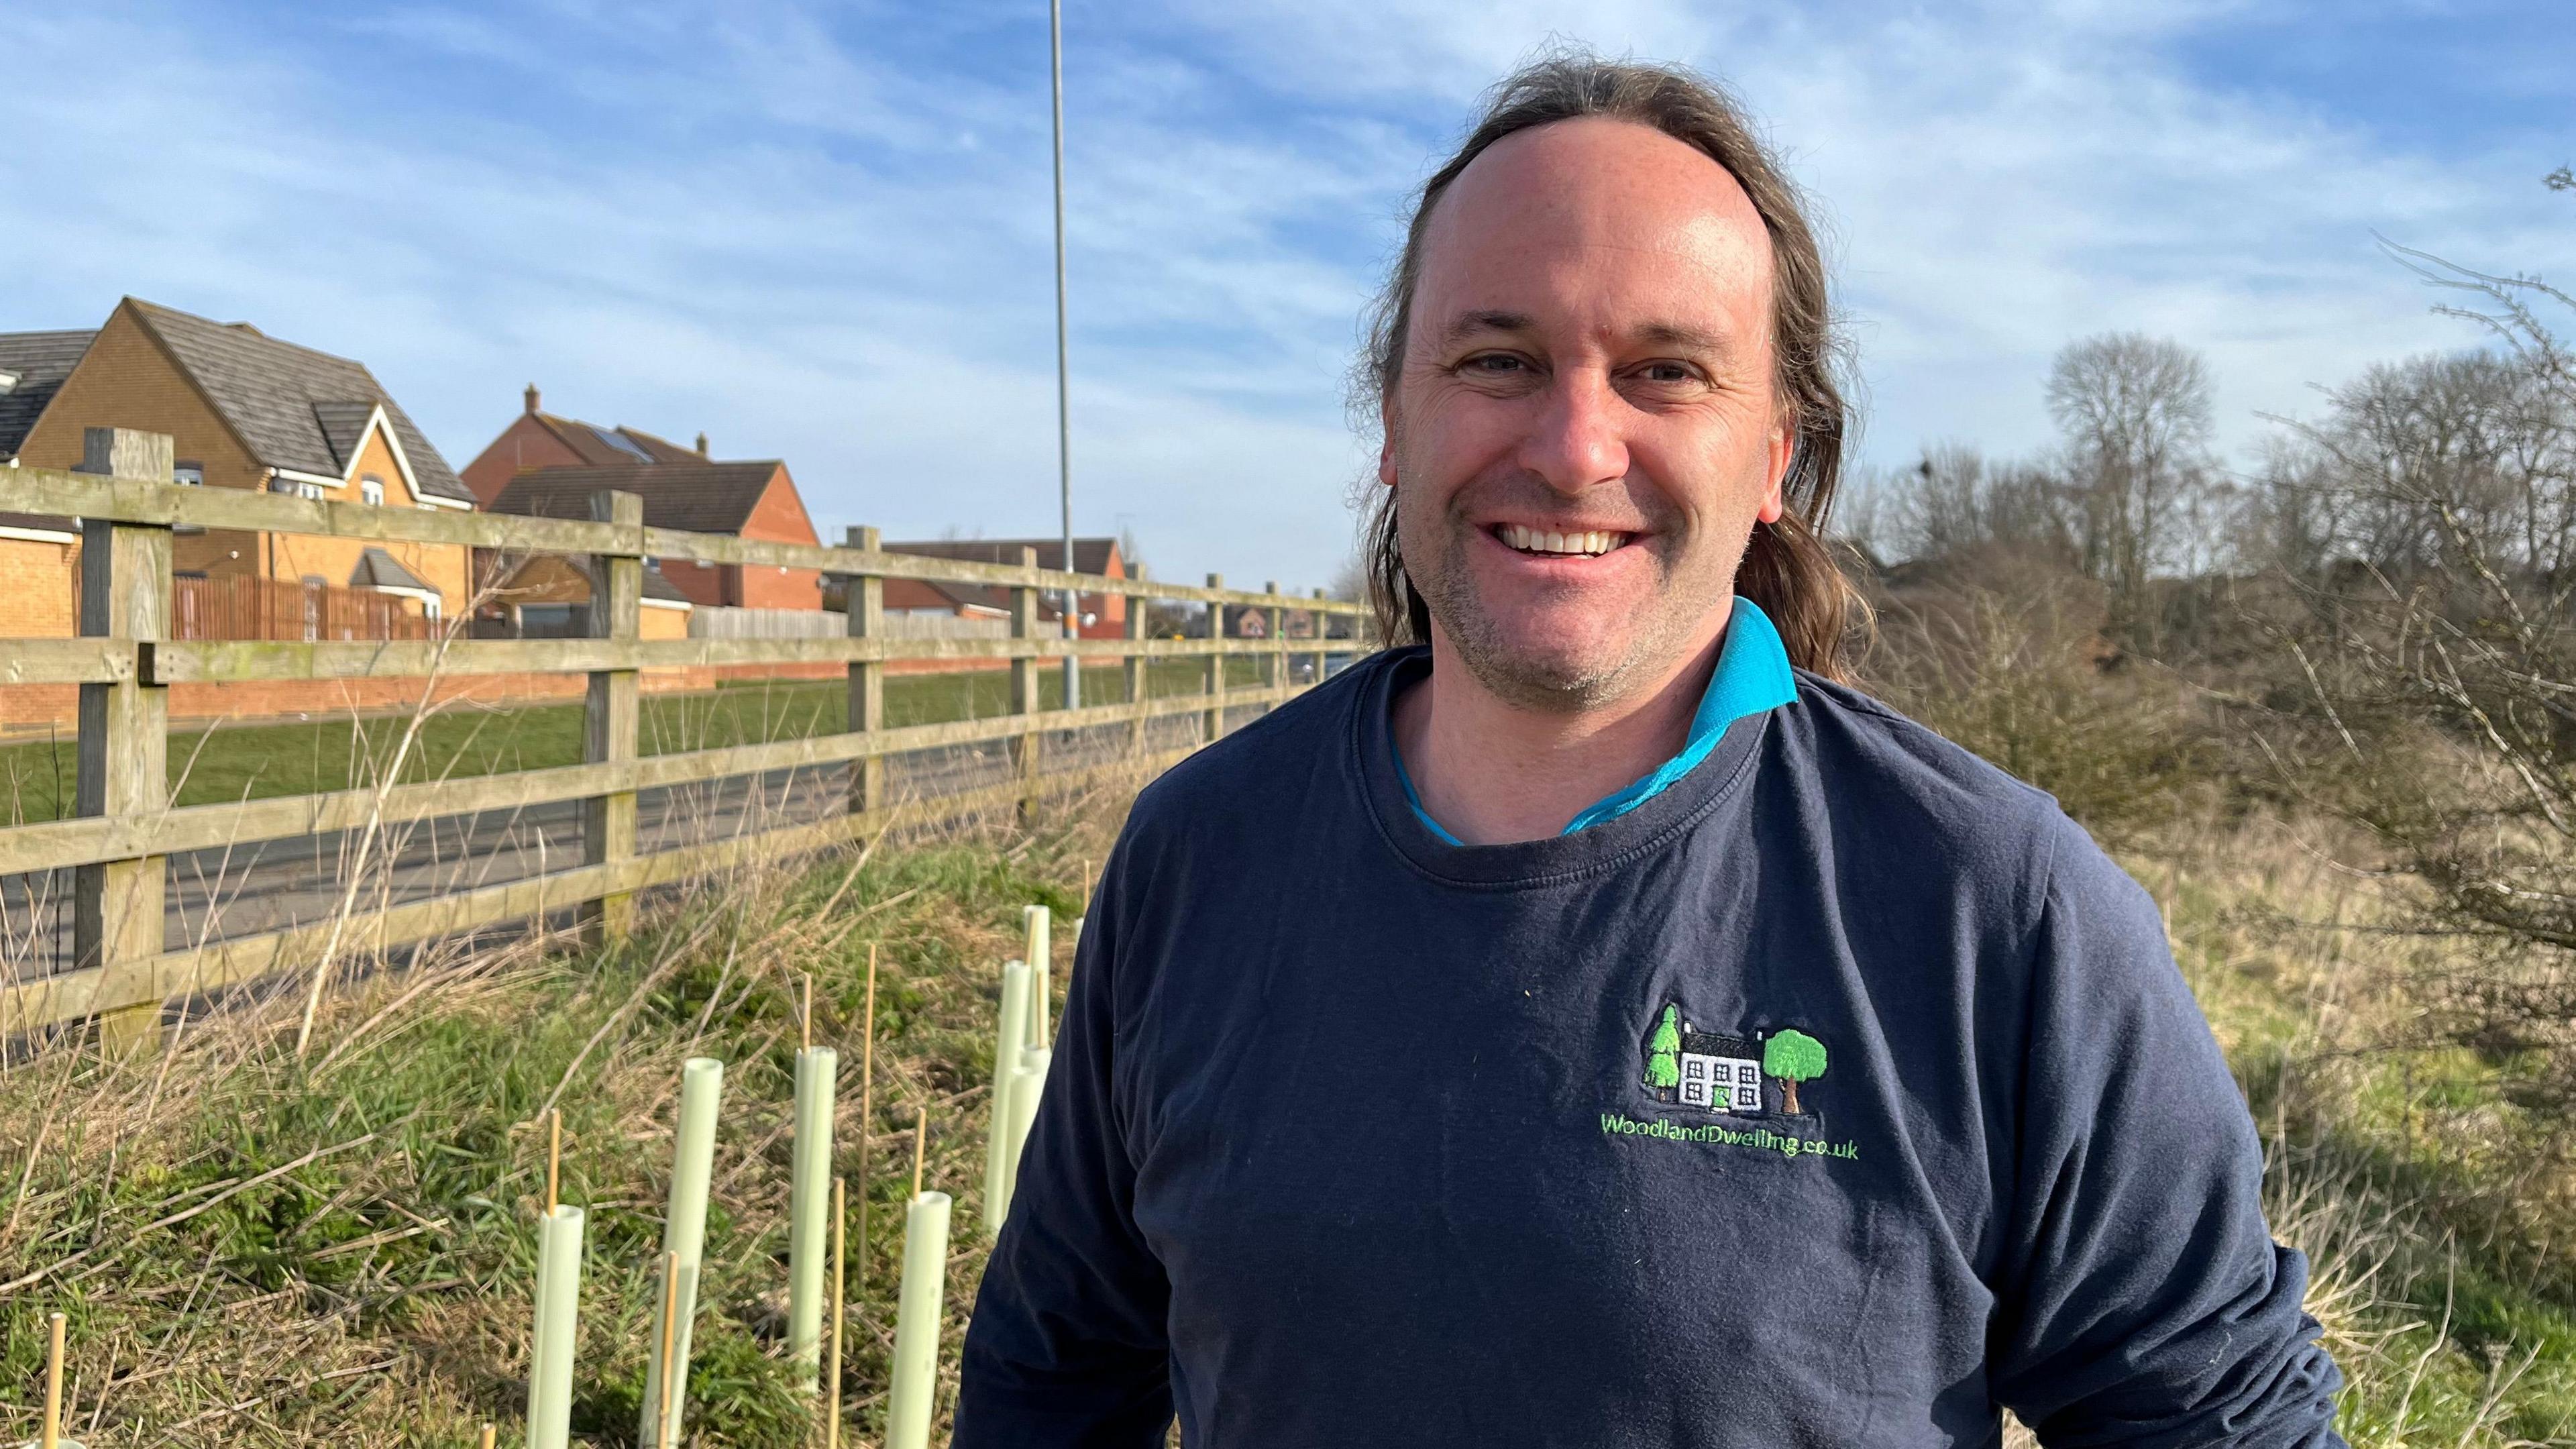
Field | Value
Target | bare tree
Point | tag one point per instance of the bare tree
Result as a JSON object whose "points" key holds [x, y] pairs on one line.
{"points": [[2134, 414], [1954, 502]]}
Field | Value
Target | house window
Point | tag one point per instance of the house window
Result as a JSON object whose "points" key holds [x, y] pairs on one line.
{"points": [[372, 490], [188, 475]]}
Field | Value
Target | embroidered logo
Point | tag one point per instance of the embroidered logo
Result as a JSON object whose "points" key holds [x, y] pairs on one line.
{"points": [[1727, 1075]]}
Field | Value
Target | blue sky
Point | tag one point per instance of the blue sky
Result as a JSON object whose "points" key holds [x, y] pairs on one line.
{"points": [[820, 232]]}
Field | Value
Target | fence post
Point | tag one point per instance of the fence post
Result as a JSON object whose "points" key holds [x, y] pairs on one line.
{"points": [[867, 677], [1139, 608], [610, 714], [1024, 684], [1275, 669], [1323, 631], [1215, 722], [124, 739]]}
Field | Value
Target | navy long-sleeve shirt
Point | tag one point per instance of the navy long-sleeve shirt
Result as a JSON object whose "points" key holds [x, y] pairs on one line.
{"points": [[1835, 1095]]}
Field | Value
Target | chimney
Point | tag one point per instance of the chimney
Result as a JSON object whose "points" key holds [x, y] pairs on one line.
{"points": [[532, 399], [702, 445]]}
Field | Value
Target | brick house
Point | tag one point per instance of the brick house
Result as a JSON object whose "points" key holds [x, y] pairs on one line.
{"points": [[1103, 616], [243, 410], [548, 466], [540, 439]]}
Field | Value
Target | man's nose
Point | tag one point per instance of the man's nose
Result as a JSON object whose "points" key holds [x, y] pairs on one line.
{"points": [[1576, 440]]}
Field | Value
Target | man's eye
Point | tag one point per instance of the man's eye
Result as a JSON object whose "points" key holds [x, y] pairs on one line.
{"points": [[1666, 372], [1494, 363]]}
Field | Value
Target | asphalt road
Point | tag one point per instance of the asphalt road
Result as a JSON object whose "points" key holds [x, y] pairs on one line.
{"points": [[247, 888]]}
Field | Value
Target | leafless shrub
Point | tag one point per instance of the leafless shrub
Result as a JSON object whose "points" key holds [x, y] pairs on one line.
{"points": [[2429, 524]]}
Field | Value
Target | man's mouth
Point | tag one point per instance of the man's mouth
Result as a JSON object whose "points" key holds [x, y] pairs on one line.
{"points": [[1543, 543]]}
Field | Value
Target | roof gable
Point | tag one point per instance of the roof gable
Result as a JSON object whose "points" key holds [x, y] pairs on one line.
{"points": [[37, 363], [290, 405]]}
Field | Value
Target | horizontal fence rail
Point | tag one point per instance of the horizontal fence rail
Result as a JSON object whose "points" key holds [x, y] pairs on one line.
{"points": [[133, 645]]}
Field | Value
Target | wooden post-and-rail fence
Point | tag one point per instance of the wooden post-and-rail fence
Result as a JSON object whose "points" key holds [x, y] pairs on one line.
{"points": [[127, 655]]}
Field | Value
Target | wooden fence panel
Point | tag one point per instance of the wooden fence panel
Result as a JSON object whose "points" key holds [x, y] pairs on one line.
{"points": [[142, 630]]}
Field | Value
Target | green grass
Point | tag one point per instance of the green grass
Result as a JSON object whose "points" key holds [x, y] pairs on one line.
{"points": [[303, 757], [2404, 1175]]}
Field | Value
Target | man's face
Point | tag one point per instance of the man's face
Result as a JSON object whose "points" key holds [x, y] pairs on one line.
{"points": [[1584, 431]]}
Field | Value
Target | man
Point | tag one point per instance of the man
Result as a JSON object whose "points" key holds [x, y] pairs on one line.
{"points": [[1596, 1025]]}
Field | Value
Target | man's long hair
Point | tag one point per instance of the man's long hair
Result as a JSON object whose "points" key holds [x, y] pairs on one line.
{"points": [[1787, 567]]}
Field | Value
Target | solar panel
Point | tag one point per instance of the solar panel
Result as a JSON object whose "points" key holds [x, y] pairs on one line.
{"points": [[620, 442]]}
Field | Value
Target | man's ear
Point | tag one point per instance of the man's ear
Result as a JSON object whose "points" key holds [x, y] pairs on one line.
{"points": [[1783, 448], [1386, 444]]}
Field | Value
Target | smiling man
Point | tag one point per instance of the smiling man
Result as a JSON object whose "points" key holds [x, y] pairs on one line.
{"points": [[1594, 1023]]}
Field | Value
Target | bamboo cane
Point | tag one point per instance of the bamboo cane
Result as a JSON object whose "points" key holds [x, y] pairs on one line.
{"points": [[867, 1110], [53, 1381], [554, 1159], [670, 1321], [832, 1415], [490, 1433]]}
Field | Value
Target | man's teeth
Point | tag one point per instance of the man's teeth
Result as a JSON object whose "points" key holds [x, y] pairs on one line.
{"points": [[1534, 540]]}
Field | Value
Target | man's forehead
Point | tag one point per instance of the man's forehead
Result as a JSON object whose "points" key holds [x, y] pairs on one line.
{"points": [[1535, 202]]}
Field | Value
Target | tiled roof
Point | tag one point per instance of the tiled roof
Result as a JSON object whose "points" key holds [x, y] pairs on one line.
{"points": [[344, 428], [40, 361], [276, 395], [701, 498], [1710, 1044], [1090, 556], [614, 447], [378, 569], [41, 523], [655, 585]]}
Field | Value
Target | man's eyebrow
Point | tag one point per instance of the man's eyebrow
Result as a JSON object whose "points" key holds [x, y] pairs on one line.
{"points": [[1682, 334], [1468, 324]]}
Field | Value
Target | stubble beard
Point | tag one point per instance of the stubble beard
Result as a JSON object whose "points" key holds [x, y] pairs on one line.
{"points": [[1531, 679]]}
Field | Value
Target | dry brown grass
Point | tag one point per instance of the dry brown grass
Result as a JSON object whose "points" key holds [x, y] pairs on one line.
{"points": [[257, 1251]]}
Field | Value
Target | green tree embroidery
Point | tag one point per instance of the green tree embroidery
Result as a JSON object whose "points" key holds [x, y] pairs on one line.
{"points": [[1660, 1068], [1793, 1057]]}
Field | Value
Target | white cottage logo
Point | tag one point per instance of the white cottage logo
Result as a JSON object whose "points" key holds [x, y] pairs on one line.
{"points": [[1732, 1076]]}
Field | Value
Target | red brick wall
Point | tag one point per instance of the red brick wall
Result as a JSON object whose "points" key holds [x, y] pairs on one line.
{"points": [[779, 517], [36, 590], [525, 443]]}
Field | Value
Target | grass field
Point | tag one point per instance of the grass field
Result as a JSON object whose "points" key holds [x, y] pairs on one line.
{"points": [[257, 1252], [254, 1252], [255, 761]]}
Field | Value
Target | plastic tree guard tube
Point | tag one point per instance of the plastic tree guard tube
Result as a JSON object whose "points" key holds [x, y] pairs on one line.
{"points": [[809, 1212], [916, 1326], [684, 1231], [1009, 1045]]}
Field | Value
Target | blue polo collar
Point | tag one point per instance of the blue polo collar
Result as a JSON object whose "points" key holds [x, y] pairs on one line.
{"points": [[1752, 676]]}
